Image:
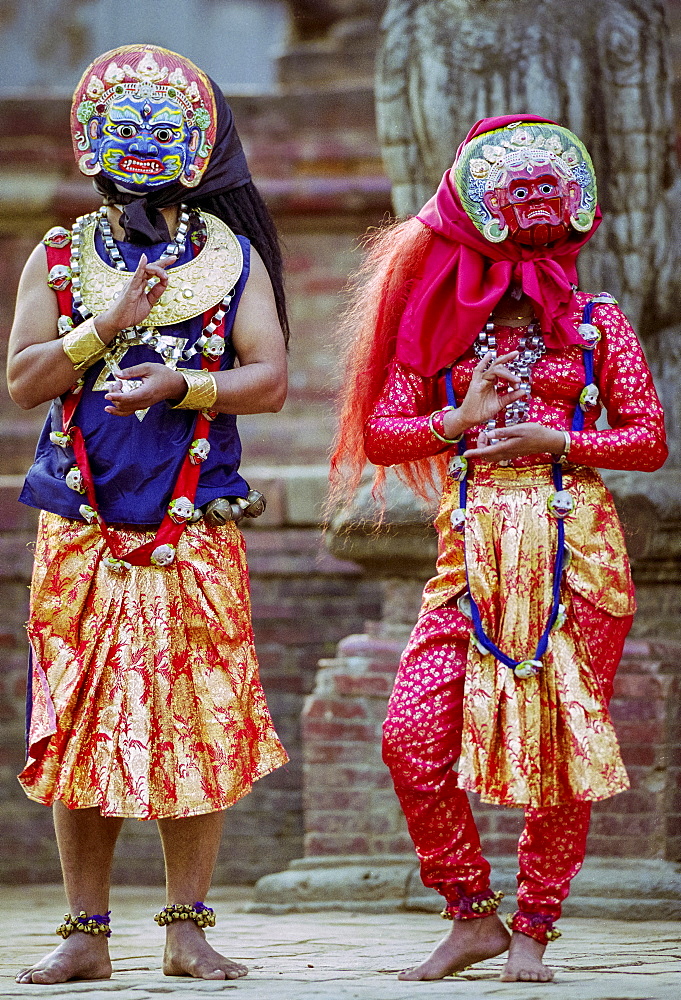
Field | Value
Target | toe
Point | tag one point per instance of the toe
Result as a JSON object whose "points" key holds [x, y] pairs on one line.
{"points": [[213, 974]]}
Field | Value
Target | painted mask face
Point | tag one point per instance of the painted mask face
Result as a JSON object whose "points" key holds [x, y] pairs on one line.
{"points": [[144, 117], [143, 143], [531, 183], [535, 204]]}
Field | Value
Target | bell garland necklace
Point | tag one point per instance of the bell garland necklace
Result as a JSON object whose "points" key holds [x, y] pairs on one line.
{"points": [[160, 551]]}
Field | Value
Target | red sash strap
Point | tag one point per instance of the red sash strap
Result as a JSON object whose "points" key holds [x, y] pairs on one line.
{"points": [[169, 531]]}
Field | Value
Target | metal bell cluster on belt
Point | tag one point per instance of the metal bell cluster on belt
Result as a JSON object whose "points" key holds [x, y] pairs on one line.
{"points": [[222, 510]]}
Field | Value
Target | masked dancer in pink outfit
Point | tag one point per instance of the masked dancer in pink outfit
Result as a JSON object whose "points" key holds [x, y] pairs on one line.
{"points": [[150, 325], [475, 366]]}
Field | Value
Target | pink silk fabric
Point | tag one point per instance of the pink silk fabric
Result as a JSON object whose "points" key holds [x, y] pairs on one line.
{"points": [[464, 276]]}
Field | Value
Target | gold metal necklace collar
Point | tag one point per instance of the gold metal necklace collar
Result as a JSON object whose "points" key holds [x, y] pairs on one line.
{"points": [[193, 288]]}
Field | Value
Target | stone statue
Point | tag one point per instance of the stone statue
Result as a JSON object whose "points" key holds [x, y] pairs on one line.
{"points": [[603, 73]]}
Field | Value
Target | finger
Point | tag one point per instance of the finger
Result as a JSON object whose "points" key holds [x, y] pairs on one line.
{"points": [[138, 277], [137, 371], [155, 292], [507, 433], [500, 371], [489, 453], [158, 268], [505, 398], [485, 361]]}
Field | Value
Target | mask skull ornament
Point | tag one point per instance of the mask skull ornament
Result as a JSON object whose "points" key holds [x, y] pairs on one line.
{"points": [[163, 555], [528, 668], [458, 519], [561, 504], [214, 347], [59, 277], [588, 399], [116, 565], [561, 617], [180, 510], [198, 451], [74, 479], [458, 467], [64, 325], [528, 182], [60, 439], [57, 237], [144, 117], [88, 513], [590, 335]]}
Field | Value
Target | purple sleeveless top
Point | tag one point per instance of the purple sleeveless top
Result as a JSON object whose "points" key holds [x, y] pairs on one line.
{"points": [[135, 463]]}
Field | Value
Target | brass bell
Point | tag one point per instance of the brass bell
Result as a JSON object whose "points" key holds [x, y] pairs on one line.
{"points": [[237, 512], [253, 505], [256, 504], [218, 512]]}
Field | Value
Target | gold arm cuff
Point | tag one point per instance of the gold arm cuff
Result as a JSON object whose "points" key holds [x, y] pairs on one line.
{"points": [[202, 390], [83, 346]]}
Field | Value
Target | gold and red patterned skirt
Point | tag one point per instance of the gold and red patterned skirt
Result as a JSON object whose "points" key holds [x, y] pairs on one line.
{"points": [[146, 698], [549, 738]]}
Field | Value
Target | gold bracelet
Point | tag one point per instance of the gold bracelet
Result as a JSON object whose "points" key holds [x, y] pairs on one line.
{"points": [[83, 346], [202, 390], [435, 433]]}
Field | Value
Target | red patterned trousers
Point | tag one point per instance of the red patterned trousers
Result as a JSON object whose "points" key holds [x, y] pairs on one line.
{"points": [[422, 742]]}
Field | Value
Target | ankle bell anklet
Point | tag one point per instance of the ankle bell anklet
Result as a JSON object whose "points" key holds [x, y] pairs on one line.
{"points": [[96, 924], [202, 915], [534, 925], [469, 907]]}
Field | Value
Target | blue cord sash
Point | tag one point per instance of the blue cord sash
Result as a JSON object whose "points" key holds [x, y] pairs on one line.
{"points": [[561, 551]]}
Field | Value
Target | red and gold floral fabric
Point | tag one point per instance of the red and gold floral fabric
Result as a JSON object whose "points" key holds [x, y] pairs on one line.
{"points": [[423, 742], [398, 431], [146, 695], [547, 739]]}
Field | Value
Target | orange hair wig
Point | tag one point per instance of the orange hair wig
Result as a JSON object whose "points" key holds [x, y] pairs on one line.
{"points": [[368, 333]]}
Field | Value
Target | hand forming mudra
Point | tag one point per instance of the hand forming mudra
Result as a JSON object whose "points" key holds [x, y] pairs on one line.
{"points": [[138, 298], [485, 396]]}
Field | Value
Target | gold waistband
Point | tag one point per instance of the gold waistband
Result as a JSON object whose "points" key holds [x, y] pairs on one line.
{"points": [[524, 477]]}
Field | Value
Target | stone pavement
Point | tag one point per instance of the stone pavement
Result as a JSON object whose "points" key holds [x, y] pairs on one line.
{"points": [[335, 955]]}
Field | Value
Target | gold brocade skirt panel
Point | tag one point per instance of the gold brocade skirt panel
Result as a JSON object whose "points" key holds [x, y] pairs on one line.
{"points": [[146, 695], [548, 738]]}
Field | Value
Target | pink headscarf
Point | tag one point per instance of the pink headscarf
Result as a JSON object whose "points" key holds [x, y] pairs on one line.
{"points": [[464, 276]]}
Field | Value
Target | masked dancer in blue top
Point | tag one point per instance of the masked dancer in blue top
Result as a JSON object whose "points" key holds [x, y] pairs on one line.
{"points": [[150, 325]]}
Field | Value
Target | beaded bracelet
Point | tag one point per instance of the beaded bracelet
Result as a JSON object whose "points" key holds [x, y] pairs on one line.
{"points": [[202, 390], [436, 433], [83, 346], [202, 915], [96, 924]]}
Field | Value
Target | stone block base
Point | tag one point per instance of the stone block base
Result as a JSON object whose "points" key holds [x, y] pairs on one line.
{"points": [[614, 889]]}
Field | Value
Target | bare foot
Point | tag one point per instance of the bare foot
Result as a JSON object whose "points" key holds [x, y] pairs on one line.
{"points": [[187, 953], [524, 963], [80, 956], [468, 942]]}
